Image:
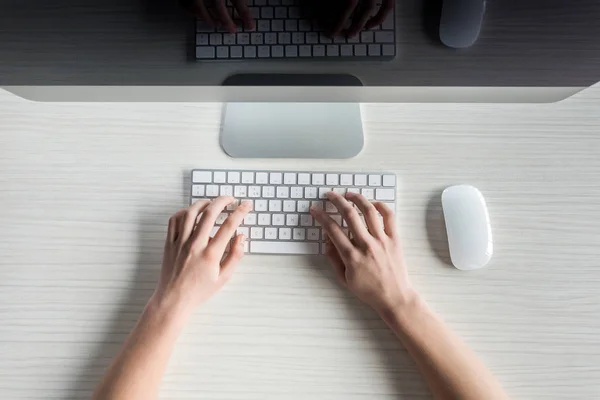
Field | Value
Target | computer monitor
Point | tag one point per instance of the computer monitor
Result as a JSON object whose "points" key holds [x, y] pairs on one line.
{"points": [[132, 50]]}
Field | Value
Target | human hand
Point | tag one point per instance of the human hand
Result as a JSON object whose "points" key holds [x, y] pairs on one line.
{"points": [[370, 264], [350, 17], [193, 267], [215, 13]]}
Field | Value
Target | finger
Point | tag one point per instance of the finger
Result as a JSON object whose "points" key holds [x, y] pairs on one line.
{"points": [[175, 225], [227, 230], [385, 10], [208, 219], [201, 11], [344, 17], [224, 16], [370, 213], [231, 261], [189, 220], [244, 13], [349, 213], [334, 231], [336, 262], [389, 219], [360, 20]]}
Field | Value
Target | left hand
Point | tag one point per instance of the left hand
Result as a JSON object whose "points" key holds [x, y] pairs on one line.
{"points": [[194, 267]]}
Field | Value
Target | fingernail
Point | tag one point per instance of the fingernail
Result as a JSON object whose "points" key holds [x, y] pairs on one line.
{"points": [[330, 194]]}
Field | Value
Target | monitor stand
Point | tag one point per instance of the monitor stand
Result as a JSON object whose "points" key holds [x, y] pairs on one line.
{"points": [[292, 130]]}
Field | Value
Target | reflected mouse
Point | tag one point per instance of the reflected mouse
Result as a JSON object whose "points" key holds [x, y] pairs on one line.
{"points": [[461, 22], [468, 227]]}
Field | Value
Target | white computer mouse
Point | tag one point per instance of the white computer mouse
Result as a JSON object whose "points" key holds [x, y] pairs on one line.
{"points": [[468, 227]]}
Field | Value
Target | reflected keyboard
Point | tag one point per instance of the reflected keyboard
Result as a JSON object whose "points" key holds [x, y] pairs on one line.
{"points": [[280, 222], [283, 31]]}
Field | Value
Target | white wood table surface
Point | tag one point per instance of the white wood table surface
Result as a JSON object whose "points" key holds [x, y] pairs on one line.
{"points": [[86, 191]]}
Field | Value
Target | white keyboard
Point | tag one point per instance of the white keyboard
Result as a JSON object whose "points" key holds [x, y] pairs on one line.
{"points": [[280, 222]]}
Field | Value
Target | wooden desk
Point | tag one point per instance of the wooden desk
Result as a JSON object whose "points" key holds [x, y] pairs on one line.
{"points": [[86, 191]]}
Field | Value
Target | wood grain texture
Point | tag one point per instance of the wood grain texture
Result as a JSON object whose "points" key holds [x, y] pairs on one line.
{"points": [[86, 190]]}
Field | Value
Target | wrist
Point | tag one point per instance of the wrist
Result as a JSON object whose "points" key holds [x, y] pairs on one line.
{"points": [[168, 309], [402, 308]]}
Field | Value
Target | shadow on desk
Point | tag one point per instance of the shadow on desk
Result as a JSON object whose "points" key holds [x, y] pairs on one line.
{"points": [[151, 243]]}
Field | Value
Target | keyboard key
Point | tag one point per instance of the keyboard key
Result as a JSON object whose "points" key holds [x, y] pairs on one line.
{"points": [[313, 234], [294, 13], [233, 177], [220, 177], [267, 12], [247, 177], [303, 206], [202, 39], [264, 219], [385, 194], [389, 180], [289, 178], [250, 52], [262, 178], [388, 23], [250, 219], [236, 52], [366, 37], [291, 51], [270, 38], [242, 230], [353, 190], [226, 190], [277, 51], [297, 192], [285, 233], [306, 220], [198, 190], [374, 50], [299, 234], [384, 37], [332, 179], [333, 50], [284, 38], [330, 208], [310, 192], [298, 38], [275, 178], [291, 25], [212, 190], [266, 247], [278, 219], [346, 50], [360, 50], [195, 200], [277, 25], [268, 191], [261, 205], [289, 206], [233, 205], [388, 50], [360, 180], [281, 12], [337, 219], [205, 52], [340, 191], [374, 180], [319, 50], [291, 219], [256, 38], [323, 192], [270, 233], [283, 192], [312, 38], [221, 218], [243, 38], [368, 193], [303, 179], [254, 191], [275, 205], [317, 204], [318, 179], [256, 233], [305, 51], [263, 25], [324, 39], [305, 25], [264, 52]]}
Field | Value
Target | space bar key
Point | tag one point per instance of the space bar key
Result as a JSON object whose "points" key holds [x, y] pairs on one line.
{"points": [[284, 247]]}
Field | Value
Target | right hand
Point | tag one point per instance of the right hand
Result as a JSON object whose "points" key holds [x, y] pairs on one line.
{"points": [[370, 264], [216, 14]]}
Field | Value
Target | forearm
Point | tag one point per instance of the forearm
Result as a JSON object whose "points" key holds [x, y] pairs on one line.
{"points": [[449, 366], [137, 371]]}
